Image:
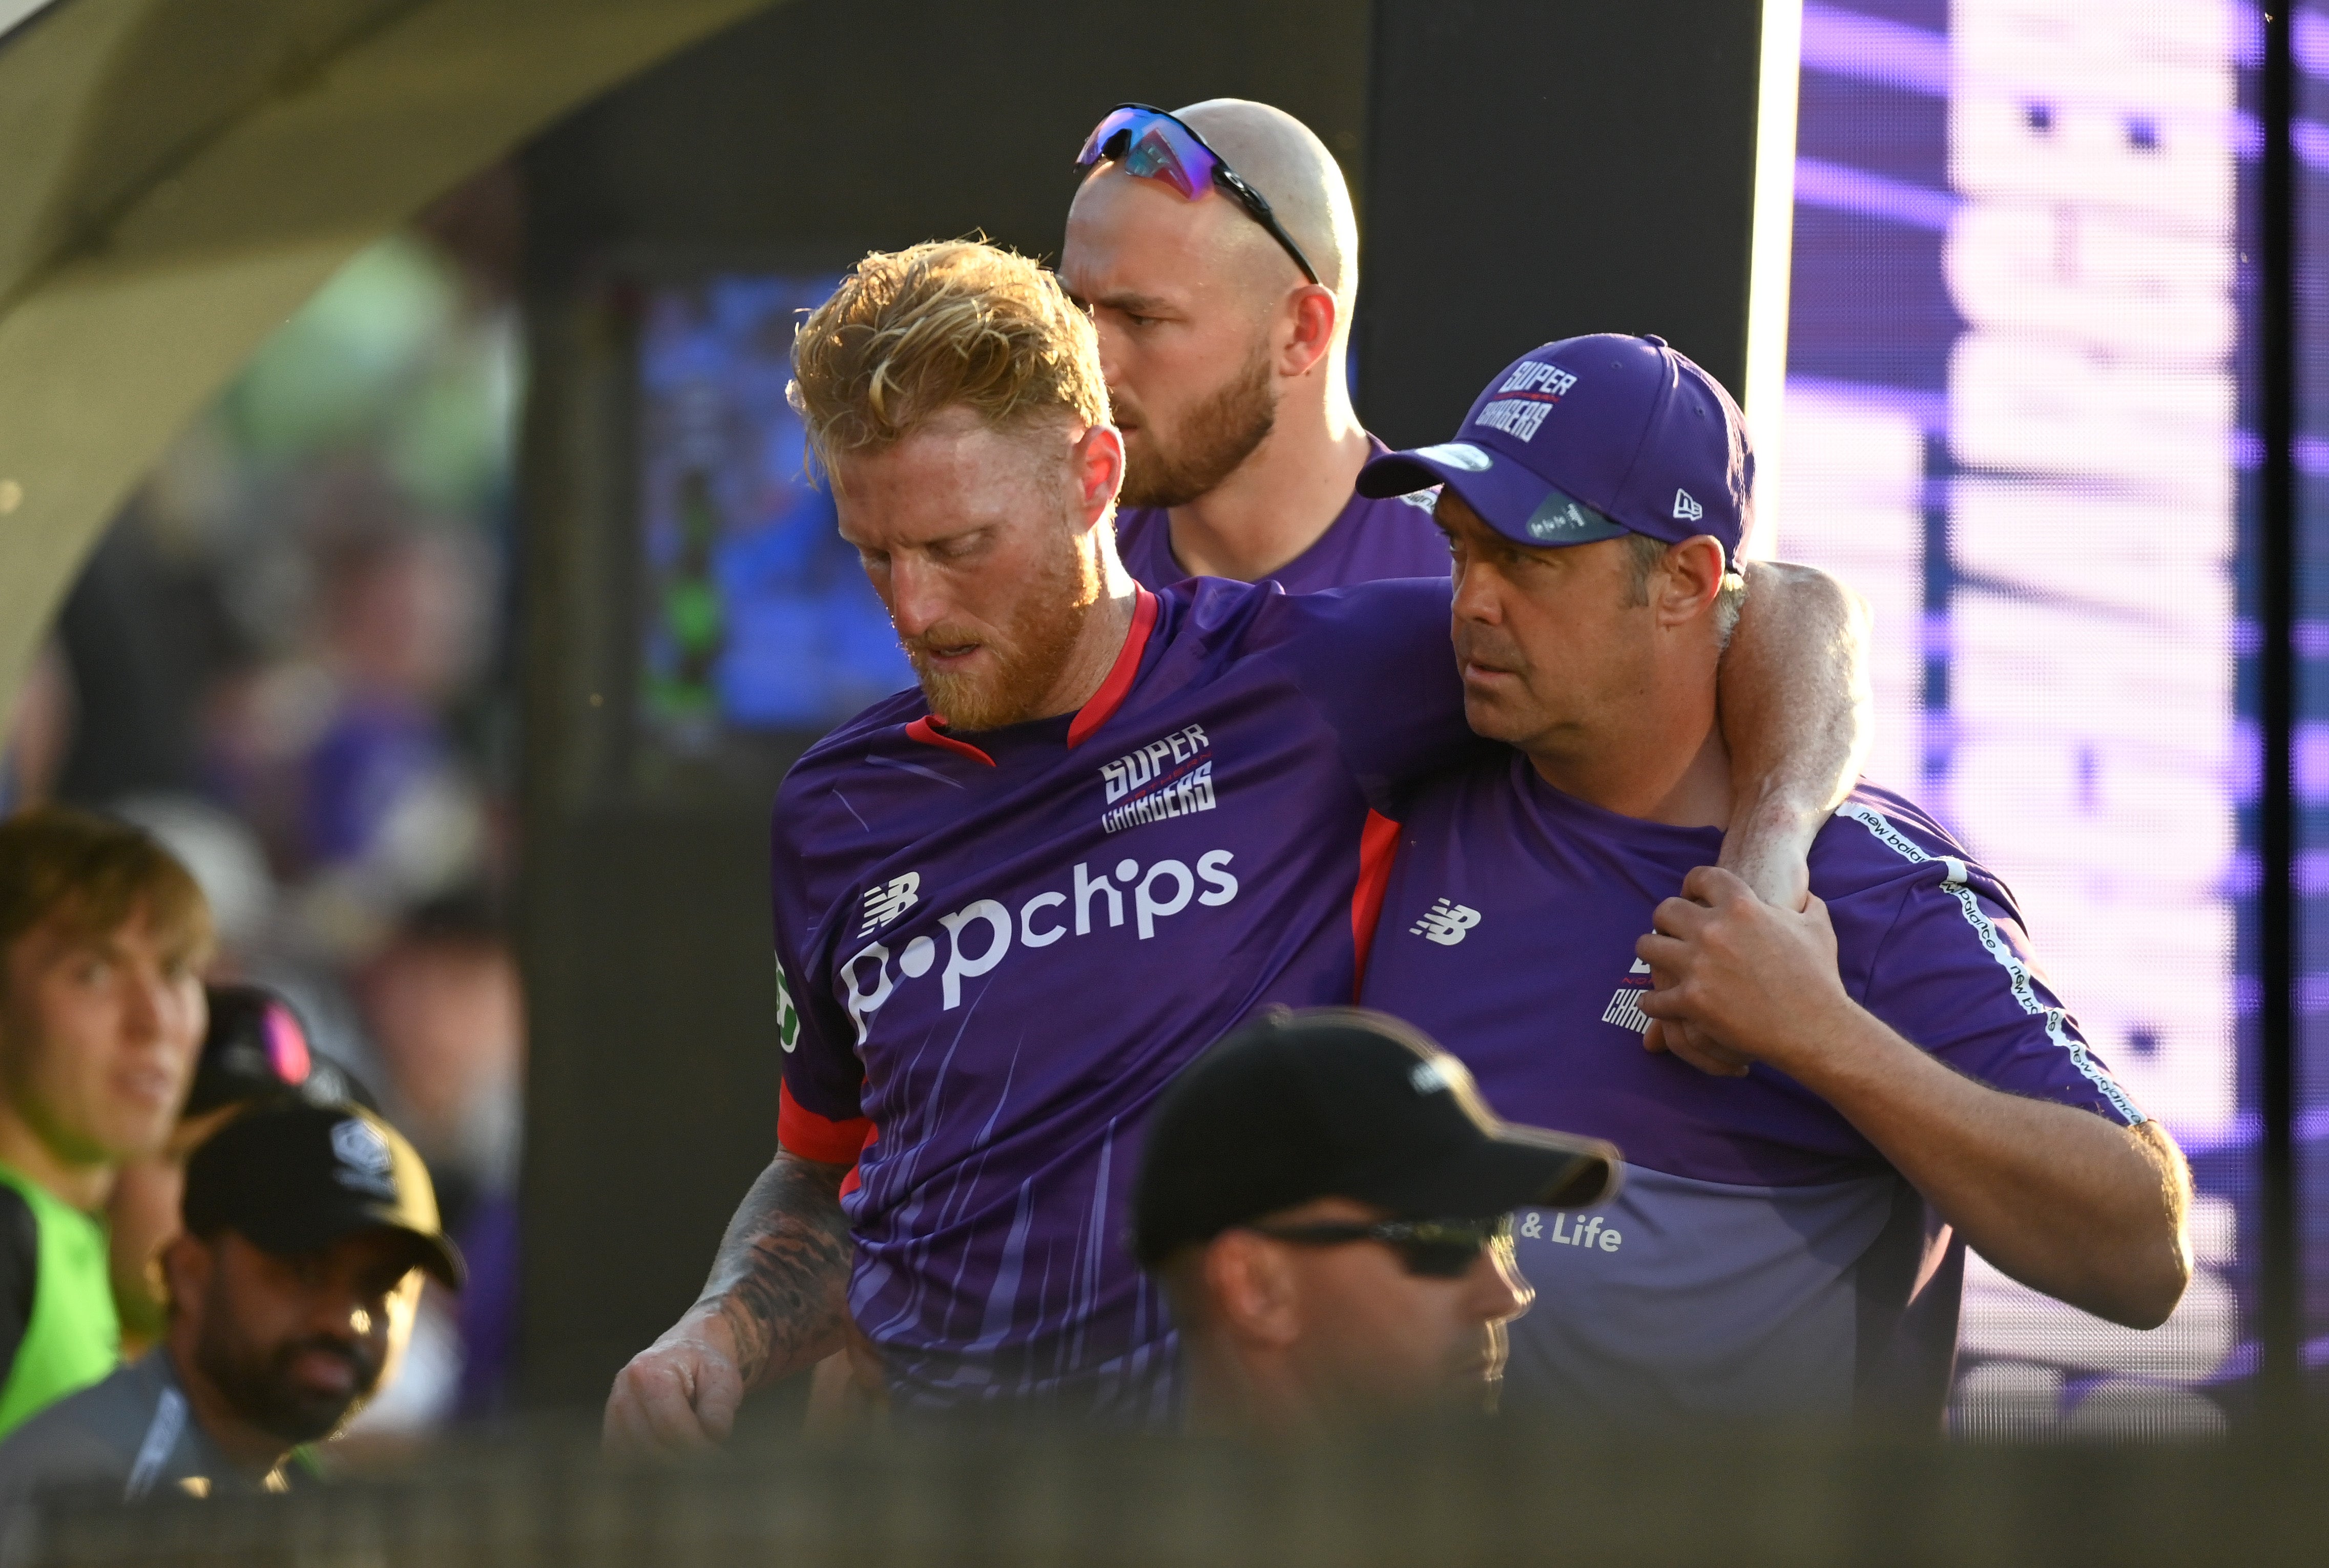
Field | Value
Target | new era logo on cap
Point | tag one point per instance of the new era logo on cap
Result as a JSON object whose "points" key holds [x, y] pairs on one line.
{"points": [[1686, 508], [366, 1162]]}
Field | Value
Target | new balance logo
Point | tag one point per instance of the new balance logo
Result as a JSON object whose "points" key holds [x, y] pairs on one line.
{"points": [[1444, 923], [884, 902], [1686, 506]]}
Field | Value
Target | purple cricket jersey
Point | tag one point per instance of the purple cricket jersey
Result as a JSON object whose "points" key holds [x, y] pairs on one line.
{"points": [[997, 950], [1368, 542], [1762, 1261]]}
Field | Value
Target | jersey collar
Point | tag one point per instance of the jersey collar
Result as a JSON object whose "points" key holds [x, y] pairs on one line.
{"points": [[930, 729], [1118, 685]]}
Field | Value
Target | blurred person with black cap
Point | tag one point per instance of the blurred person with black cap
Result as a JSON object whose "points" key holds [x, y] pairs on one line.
{"points": [[291, 1293], [1327, 1203], [255, 1051]]}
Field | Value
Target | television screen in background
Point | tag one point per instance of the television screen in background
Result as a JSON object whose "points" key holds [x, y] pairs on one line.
{"points": [[756, 617], [2012, 421]]}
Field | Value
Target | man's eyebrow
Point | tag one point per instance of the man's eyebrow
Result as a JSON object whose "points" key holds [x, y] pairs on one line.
{"points": [[1135, 303]]}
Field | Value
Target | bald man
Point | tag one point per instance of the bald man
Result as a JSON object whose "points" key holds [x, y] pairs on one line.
{"points": [[1226, 348]]}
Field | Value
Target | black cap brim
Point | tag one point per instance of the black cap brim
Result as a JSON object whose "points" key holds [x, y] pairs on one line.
{"points": [[1514, 1168], [289, 1233]]}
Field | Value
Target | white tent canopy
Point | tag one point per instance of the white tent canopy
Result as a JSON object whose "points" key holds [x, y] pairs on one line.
{"points": [[177, 176]]}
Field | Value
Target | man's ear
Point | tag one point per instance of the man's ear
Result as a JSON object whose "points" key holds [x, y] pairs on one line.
{"points": [[1314, 312], [184, 1263], [1254, 1294], [1688, 577], [1097, 462]]}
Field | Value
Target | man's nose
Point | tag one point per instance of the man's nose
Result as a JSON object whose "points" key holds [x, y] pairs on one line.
{"points": [[1478, 593], [917, 597], [1498, 1292]]}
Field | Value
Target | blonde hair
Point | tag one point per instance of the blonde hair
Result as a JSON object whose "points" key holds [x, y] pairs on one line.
{"points": [[93, 875], [955, 323]]}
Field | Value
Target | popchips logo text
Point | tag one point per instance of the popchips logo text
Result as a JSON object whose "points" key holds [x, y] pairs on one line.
{"points": [[979, 936]]}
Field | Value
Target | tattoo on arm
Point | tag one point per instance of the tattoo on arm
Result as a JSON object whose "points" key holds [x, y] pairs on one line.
{"points": [[781, 1280]]}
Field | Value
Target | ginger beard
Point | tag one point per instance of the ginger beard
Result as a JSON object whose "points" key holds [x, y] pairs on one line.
{"points": [[1213, 439], [1031, 649]]}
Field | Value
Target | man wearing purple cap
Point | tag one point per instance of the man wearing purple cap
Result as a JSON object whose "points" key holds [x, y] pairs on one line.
{"points": [[1875, 1082]]}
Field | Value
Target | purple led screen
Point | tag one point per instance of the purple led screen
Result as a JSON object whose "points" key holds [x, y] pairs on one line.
{"points": [[2013, 419]]}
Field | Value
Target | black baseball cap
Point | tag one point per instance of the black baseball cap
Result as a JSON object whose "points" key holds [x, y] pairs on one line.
{"points": [[1342, 1102], [256, 1048], [292, 1177]]}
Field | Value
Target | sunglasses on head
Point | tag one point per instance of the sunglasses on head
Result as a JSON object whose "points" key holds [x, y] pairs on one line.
{"points": [[1437, 1249], [1150, 145]]}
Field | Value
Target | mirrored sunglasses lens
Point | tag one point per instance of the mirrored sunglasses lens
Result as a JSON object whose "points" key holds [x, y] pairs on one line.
{"points": [[1159, 151], [1095, 147]]}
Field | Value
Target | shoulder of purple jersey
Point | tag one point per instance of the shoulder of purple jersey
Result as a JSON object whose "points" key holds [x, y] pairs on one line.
{"points": [[842, 750], [1880, 838]]}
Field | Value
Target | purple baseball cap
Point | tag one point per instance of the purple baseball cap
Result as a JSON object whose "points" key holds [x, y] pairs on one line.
{"points": [[1588, 438]]}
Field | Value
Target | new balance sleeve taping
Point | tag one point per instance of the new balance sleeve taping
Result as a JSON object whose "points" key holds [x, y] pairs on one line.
{"points": [[1955, 975]]}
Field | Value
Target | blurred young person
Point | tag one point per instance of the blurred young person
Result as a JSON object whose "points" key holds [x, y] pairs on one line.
{"points": [[1110, 826], [1328, 1203], [102, 939], [1878, 1080], [308, 1229], [1218, 253]]}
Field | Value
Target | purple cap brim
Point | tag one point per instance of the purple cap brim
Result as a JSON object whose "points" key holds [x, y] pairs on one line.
{"points": [[1504, 495]]}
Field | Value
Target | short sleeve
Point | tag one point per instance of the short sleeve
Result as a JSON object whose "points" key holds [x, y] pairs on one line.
{"points": [[817, 1112], [1375, 663], [1955, 976]]}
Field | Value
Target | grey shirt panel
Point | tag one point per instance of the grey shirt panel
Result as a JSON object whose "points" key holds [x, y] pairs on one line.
{"points": [[1681, 1303], [135, 1431]]}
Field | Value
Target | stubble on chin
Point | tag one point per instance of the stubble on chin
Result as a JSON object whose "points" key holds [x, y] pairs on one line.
{"points": [[1213, 441], [1026, 658]]}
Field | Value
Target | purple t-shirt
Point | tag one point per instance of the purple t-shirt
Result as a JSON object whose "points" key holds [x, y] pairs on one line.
{"points": [[998, 949], [1762, 1261], [1369, 541]]}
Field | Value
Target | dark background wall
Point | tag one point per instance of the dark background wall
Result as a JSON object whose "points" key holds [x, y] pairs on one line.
{"points": [[1537, 171], [1525, 171]]}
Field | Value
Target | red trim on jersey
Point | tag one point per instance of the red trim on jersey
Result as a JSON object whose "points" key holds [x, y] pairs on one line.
{"points": [[855, 1178], [1118, 685], [1378, 847], [925, 730], [801, 1130]]}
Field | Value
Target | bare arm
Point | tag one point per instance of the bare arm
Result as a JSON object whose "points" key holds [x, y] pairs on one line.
{"points": [[777, 1302], [2088, 1211], [1794, 701]]}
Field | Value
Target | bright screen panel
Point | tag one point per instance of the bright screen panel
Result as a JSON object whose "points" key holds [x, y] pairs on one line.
{"points": [[757, 617], [2011, 420]]}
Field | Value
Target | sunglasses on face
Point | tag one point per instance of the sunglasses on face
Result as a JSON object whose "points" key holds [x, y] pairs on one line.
{"points": [[1150, 145], [1437, 1249]]}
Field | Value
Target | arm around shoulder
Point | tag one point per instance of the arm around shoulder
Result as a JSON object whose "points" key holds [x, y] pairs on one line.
{"points": [[1795, 702]]}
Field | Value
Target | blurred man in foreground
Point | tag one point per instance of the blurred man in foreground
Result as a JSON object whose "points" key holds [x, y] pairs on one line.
{"points": [[1878, 1079], [1328, 1204], [102, 937], [291, 1295], [1218, 253]]}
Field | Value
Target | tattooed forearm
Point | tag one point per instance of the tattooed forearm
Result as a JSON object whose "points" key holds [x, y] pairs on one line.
{"points": [[780, 1281]]}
